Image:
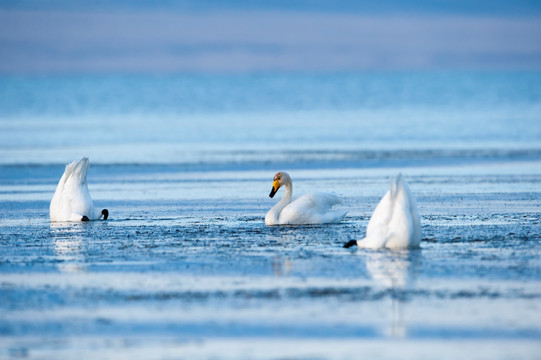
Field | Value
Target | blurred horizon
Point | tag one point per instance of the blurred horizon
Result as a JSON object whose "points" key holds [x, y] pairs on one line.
{"points": [[520, 7], [41, 37]]}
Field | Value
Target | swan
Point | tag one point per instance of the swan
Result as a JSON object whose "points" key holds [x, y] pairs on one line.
{"points": [[395, 223], [71, 200], [312, 208]]}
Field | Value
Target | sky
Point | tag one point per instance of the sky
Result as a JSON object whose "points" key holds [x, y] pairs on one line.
{"points": [[41, 37]]}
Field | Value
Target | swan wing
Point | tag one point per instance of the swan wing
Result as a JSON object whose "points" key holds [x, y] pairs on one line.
{"points": [[381, 216], [77, 176], [61, 184], [77, 190], [312, 208], [60, 207], [416, 222]]}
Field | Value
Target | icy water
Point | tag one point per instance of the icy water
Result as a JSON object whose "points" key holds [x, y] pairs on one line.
{"points": [[186, 268]]}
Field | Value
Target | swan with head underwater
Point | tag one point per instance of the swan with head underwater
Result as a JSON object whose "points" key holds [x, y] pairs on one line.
{"points": [[311, 208], [71, 200], [395, 223]]}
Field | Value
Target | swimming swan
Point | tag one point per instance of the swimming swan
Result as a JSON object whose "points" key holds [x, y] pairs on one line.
{"points": [[71, 200], [312, 208], [395, 223]]}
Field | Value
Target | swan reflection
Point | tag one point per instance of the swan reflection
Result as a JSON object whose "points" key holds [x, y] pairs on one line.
{"points": [[68, 241], [395, 272], [282, 266]]}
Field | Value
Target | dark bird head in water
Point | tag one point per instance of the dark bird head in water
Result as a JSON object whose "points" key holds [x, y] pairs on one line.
{"points": [[350, 243]]}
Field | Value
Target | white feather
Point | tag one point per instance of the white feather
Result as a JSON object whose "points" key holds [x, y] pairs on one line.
{"points": [[71, 200], [311, 208], [395, 222]]}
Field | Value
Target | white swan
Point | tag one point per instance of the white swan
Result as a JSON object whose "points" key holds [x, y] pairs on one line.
{"points": [[395, 223], [71, 200], [312, 208]]}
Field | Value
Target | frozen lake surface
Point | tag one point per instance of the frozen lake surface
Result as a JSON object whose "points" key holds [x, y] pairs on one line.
{"points": [[186, 268]]}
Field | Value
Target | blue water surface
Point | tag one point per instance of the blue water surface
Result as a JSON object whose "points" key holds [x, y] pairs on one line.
{"points": [[186, 268]]}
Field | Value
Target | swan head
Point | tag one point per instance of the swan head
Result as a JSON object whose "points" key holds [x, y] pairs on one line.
{"points": [[105, 214], [280, 179]]}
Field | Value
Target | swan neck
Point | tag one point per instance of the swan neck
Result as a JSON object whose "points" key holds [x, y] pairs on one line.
{"points": [[286, 199], [273, 216], [288, 191]]}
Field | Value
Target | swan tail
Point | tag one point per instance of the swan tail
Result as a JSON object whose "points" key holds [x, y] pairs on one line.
{"points": [[341, 214], [396, 185], [412, 207], [405, 222], [80, 170], [67, 173]]}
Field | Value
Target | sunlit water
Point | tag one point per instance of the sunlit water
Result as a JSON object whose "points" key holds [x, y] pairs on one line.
{"points": [[186, 268]]}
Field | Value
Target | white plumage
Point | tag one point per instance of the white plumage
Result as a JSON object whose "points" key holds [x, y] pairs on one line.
{"points": [[71, 200], [395, 223], [312, 208]]}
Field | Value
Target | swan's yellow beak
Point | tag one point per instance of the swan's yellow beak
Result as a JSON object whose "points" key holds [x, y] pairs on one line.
{"points": [[275, 187]]}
